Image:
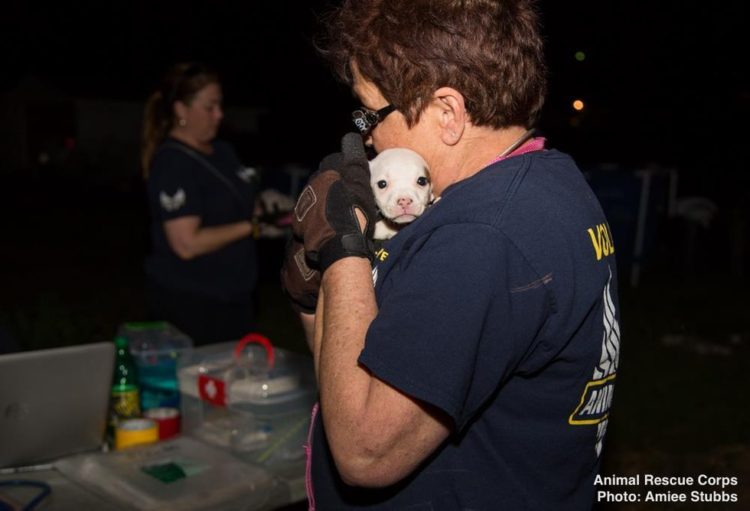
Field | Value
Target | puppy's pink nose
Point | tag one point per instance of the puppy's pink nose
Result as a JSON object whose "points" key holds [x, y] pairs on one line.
{"points": [[404, 202]]}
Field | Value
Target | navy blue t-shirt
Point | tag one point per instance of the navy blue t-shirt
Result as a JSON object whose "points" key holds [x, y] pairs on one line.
{"points": [[499, 307], [180, 185]]}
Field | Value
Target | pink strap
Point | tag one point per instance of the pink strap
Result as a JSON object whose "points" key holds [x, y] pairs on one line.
{"points": [[308, 460], [535, 144]]}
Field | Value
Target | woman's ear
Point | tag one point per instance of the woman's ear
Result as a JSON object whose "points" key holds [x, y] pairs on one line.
{"points": [[452, 115], [180, 111]]}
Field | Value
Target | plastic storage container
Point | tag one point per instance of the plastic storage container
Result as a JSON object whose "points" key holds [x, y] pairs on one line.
{"points": [[157, 348], [177, 475], [250, 398]]}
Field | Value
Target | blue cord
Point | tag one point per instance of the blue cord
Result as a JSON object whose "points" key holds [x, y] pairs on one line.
{"points": [[46, 490]]}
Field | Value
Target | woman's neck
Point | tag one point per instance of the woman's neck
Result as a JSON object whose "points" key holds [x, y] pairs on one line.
{"points": [[477, 148]]}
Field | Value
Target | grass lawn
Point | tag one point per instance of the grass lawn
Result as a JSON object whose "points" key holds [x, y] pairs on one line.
{"points": [[680, 406]]}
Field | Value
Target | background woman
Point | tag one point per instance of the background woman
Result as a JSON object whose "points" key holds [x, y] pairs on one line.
{"points": [[203, 266]]}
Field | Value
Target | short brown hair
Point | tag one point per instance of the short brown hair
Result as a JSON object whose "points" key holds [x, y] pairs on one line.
{"points": [[489, 50]]}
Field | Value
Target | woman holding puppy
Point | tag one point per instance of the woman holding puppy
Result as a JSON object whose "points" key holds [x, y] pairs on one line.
{"points": [[202, 269], [477, 371]]}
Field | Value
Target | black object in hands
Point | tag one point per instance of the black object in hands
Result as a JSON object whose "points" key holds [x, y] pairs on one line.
{"points": [[325, 219], [354, 168]]}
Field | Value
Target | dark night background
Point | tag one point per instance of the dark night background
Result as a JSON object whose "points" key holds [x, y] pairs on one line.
{"points": [[664, 88], [661, 80]]}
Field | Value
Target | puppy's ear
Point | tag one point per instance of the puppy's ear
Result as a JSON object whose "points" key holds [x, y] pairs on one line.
{"points": [[374, 170]]}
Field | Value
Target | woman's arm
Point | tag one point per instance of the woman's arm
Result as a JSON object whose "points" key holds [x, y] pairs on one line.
{"points": [[377, 435], [188, 239]]}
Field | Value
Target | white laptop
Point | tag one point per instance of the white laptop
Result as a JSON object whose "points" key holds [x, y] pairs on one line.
{"points": [[53, 402]]}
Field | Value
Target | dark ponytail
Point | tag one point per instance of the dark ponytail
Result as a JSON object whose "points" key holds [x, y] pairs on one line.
{"points": [[156, 125]]}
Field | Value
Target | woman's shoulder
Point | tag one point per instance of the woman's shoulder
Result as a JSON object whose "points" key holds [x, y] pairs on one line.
{"points": [[171, 149], [171, 156]]}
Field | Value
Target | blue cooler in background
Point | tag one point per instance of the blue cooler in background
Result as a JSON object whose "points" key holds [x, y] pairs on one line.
{"points": [[157, 348]]}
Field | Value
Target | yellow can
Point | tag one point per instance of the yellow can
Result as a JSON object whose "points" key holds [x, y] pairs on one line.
{"points": [[134, 432]]}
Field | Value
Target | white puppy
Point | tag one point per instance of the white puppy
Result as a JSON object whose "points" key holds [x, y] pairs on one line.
{"points": [[400, 180]]}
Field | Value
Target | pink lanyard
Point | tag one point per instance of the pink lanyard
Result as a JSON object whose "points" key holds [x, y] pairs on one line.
{"points": [[535, 144]]}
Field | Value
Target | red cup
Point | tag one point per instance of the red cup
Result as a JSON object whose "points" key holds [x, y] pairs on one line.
{"points": [[167, 419]]}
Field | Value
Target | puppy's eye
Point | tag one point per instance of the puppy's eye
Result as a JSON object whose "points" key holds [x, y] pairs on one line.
{"points": [[382, 184], [422, 181]]}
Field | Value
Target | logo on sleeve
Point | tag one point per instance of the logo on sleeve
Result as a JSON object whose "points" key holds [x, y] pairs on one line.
{"points": [[174, 202], [247, 174], [596, 399]]}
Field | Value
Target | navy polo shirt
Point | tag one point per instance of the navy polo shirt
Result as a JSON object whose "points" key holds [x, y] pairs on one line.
{"points": [[180, 185]]}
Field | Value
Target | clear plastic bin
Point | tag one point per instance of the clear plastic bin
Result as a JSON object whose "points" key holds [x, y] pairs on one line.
{"points": [[249, 398], [157, 348], [179, 475]]}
